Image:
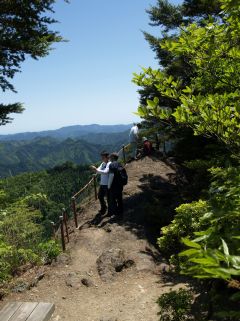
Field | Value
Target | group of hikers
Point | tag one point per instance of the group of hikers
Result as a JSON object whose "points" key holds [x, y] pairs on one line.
{"points": [[114, 176], [146, 149]]}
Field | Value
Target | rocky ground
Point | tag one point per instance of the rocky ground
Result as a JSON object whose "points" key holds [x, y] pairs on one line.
{"points": [[112, 269]]}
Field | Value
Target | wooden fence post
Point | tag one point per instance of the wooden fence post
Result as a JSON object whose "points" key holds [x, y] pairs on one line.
{"points": [[95, 186], [65, 223], [53, 230], [124, 155], [62, 233], [74, 211]]}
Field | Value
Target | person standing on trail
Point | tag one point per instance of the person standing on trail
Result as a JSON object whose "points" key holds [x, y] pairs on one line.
{"points": [[103, 170], [117, 179], [133, 140]]}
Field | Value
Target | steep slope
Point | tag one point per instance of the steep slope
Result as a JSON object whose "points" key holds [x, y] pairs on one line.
{"points": [[83, 282]]}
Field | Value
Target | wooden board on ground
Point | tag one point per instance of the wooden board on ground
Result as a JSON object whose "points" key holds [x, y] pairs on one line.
{"points": [[27, 311]]}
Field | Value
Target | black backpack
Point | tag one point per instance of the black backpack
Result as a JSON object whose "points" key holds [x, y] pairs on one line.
{"points": [[122, 175]]}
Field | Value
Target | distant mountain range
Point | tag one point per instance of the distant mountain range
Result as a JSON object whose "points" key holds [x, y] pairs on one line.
{"points": [[78, 144], [76, 131]]}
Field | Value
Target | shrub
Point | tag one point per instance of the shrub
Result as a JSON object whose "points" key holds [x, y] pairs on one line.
{"points": [[19, 236], [48, 251], [215, 250], [186, 221], [175, 305]]}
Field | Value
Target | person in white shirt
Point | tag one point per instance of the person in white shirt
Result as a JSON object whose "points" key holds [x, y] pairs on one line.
{"points": [[133, 140], [103, 170]]}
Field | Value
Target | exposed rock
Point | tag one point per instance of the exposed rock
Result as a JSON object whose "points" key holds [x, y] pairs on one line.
{"points": [[33, 283], [107, 228], [145, 262], [63, 259], [88, 283], [128, 263], [110, 262], [21, 287], [73, 280], [40, 276]]}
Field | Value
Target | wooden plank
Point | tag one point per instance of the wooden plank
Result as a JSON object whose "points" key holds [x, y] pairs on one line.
{"points": [[42, 312], [24, 311], [8, 310]]}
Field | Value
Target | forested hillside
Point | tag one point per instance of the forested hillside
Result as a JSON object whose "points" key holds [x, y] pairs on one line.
{"points": [[42, 153], [29, 203]]}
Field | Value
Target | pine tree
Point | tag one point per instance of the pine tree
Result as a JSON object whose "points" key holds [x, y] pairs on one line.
{"points": [[24, 31], [169, 18]]}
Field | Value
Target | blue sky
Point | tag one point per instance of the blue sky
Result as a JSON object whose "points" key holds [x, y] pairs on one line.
{"points": [[87, 79]]}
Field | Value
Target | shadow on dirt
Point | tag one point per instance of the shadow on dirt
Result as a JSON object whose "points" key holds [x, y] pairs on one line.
{"points": [[147, 211]]}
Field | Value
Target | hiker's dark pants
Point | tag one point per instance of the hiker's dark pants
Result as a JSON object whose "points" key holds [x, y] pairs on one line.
{"points": [[115, 202], [102, 193]]}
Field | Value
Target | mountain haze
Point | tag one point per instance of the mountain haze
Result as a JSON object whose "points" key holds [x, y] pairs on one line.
{"points": [[45, 152], [70, 131]]}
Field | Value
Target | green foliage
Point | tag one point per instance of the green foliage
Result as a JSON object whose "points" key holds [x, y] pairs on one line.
{"points": [[24, 32], [196, 90], [175, 305], [186, 221], [29, 202], [20, 233], [5, 110], [209, 229], [231, 312], [5, 262], [209, 103], [49, 250], [48, 191], [18, 224], [215, 251]]}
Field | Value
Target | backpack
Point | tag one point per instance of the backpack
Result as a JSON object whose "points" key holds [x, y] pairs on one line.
{"points": [[122, 174]]}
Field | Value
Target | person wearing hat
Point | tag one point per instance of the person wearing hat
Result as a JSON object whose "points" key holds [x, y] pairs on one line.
{"points": [[147, 147], [103, 170]]}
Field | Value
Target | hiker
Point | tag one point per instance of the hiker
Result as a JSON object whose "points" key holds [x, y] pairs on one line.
{"points": [[147, 147], [133, 140], [117, 179], [103, 170]]}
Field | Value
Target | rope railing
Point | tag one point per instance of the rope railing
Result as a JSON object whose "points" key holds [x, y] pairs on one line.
{"points": [[85, 193]]}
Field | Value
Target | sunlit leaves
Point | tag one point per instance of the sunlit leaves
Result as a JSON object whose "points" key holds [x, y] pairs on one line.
{"points": [[210, 104]]}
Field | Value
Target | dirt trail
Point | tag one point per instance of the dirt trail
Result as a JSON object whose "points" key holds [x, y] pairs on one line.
{"points": [[127, 295]]}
